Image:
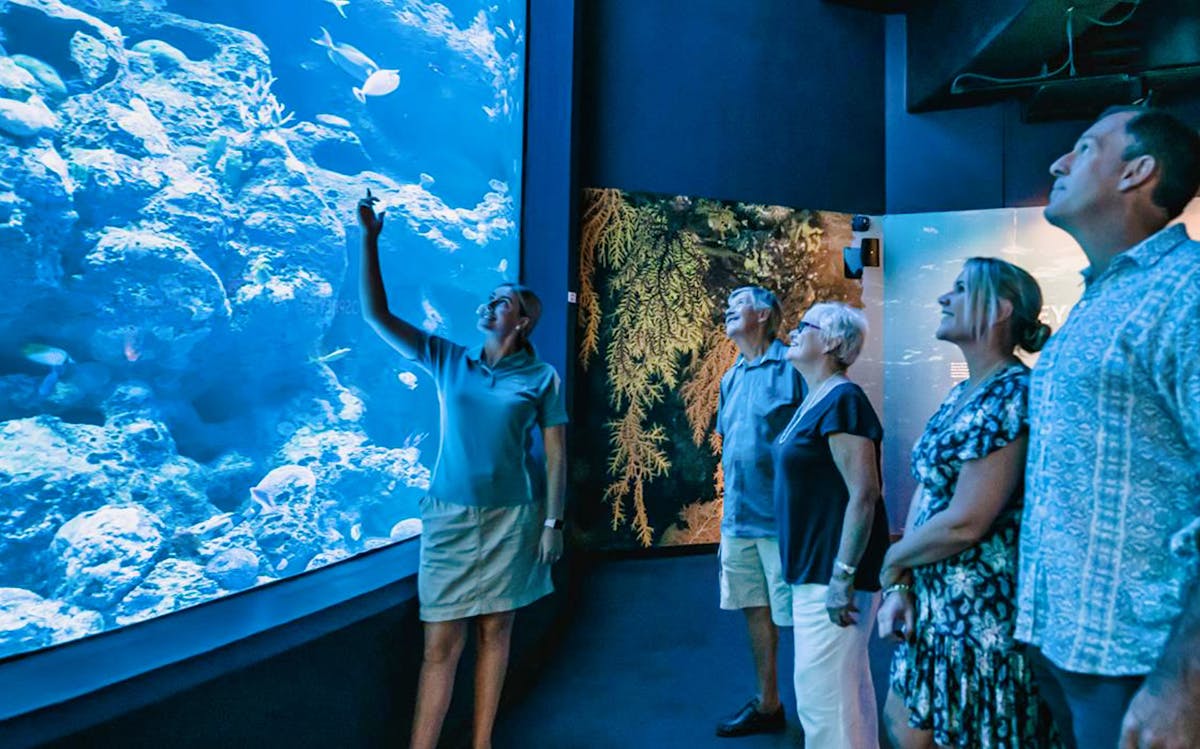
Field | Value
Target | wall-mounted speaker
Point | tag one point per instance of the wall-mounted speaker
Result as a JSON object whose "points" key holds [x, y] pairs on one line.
{"points": [[870, 252]]}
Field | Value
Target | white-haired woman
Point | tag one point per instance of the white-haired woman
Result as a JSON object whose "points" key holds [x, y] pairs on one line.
{"points": [[487, 542], [950, 583], [832, 529]]}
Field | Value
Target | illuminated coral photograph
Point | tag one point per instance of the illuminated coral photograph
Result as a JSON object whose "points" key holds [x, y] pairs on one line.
{"points": [[655, 271]]}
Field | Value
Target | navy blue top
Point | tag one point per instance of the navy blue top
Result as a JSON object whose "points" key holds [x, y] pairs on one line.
{"points": [[488, 417], [758, 398], [811, 497]]}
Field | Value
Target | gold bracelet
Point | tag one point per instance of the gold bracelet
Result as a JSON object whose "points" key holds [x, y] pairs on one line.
{"points": [[897, 588]]}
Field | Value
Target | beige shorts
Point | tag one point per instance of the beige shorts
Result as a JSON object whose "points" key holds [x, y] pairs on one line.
{"points": [[751, 575]]}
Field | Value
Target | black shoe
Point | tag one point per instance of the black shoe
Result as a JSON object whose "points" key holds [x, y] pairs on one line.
{"points": [[749, 720]]}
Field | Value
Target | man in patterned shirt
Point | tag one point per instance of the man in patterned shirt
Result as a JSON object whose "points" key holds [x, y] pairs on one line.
{"points": [[1109, 544], [759, 394]]}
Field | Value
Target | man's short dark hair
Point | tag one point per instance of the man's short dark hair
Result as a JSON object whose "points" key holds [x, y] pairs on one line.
{"points": [[1175, 147]]}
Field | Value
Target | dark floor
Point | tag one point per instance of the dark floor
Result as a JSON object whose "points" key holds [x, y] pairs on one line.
{"points": [[649, 660]]}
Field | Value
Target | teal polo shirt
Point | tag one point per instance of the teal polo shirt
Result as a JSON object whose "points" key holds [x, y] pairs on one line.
{"points": [[488, 416]]}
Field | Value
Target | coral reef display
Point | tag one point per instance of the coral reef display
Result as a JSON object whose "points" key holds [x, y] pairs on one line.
{"points": [[189, 402], [655, 272]]}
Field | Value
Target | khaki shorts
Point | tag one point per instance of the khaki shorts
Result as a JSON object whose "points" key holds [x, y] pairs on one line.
{"points": [[479, 560], [751, 575]]}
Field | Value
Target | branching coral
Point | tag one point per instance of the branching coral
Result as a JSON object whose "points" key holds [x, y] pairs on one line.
{"points": [[699, 523], [656, 287], [607, 219], [261, 110], [701, 391], [666, 266]]}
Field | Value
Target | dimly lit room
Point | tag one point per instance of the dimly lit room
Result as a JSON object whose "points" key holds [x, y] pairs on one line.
{"points": [[584, 374]]}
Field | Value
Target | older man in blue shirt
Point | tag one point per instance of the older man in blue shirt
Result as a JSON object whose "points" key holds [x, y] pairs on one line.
{"points": [[759, 394], [1107, 594]]}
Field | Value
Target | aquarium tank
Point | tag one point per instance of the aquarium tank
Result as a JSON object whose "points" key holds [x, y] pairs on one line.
{"points": [[190, 402]]}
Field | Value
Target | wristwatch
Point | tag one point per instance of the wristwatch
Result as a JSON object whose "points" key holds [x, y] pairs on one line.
{"points": [[555, 523], [841, 567]]}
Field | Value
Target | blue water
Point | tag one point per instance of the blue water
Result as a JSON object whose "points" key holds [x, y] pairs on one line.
{"points": [[190, 403]]}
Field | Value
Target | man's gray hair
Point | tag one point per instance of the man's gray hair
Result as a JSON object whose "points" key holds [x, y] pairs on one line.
{"points": [[764, 299], [843, 329]]}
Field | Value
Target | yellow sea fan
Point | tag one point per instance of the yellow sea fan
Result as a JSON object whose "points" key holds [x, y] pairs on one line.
{"points": [[701, 390], [699, 523]]}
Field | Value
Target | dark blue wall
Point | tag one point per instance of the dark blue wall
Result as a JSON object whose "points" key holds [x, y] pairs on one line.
{"points": [[967, 159], [778, 102], [963, 159]]}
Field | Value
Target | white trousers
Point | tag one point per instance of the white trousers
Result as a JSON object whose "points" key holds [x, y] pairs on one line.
{"points": [[835, 697]]}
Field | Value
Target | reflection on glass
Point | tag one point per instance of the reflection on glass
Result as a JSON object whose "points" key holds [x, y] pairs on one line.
{"points": [[190, 404]]}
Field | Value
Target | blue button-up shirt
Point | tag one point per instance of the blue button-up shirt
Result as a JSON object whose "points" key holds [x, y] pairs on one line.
{"points": [[1114, 465], [758, 399], [488, 417]]}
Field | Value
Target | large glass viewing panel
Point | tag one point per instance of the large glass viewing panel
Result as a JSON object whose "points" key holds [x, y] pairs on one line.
{"points": [[190, 403]]}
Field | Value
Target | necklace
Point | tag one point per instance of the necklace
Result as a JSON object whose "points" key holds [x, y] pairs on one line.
{"points": [[813, 398]]}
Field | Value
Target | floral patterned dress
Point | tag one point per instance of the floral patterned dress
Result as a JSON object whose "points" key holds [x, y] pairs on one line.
{"points": [[962, 677]]}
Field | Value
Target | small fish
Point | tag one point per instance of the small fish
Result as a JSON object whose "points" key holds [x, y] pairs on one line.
{"points": [[380, 83], [283, 563], [131, 349], [333, 121], [503, 266], [348, 58], [356, 531], [408, 379], [490, 111], [49, 356], [40, 353], [501, 32], [340, 5], [425, 179], [211, 527], [434, 68], [332, 356], [497, 185]]}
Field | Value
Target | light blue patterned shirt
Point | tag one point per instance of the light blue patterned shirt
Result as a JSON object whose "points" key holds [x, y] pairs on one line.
{"points": [[1114, 465]]}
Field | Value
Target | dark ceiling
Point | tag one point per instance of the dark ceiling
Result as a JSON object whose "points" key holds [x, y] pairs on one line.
{"points": [[964, 53]]}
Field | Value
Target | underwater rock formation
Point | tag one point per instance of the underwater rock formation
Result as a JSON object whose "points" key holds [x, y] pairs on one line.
{"points": [[233, 569], [170, 236], [101, 555], [172, 584], [29, 621], [48, 476]]}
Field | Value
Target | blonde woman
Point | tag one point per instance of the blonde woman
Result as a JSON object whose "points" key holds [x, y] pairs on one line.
{"points": [[950, 583], [487, 543], [832, 530]]}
